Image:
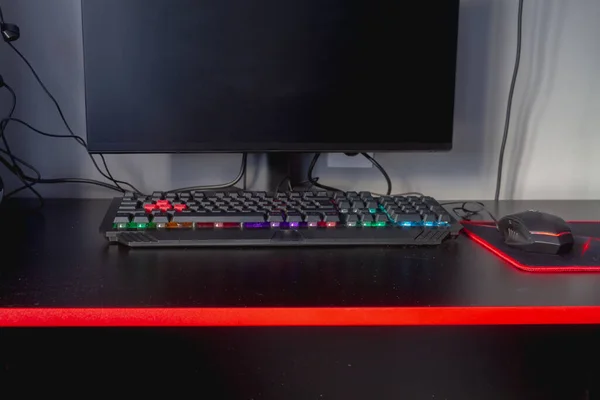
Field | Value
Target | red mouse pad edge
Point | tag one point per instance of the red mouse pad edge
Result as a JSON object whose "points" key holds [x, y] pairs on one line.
{"points": [[585, 256]]}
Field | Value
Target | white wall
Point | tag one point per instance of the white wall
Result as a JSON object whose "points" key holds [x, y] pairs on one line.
{"points": [[551, 148]]}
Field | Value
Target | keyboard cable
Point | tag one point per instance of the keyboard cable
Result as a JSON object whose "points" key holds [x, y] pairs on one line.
{"points": [[466, 213]]}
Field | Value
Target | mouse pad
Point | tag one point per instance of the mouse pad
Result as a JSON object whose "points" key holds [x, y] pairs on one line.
{"points": [[585, 256]]}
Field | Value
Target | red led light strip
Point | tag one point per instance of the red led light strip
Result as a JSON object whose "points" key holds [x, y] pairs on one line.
{"points": [[326, 316], [550, 233]]}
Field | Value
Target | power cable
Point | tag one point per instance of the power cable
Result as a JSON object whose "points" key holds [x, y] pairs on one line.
{"points": [[382, 170], [314, 180], [510, 99], [227, 185]]}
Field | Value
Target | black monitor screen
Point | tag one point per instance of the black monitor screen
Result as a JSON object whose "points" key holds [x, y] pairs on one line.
{"points": [[269, 75]]}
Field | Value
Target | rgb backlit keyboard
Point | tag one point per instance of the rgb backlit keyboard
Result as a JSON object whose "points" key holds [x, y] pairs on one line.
{"points": [[284, 218]]}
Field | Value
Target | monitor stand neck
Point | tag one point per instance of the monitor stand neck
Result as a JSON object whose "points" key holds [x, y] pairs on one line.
{"points": [[282, 165]]}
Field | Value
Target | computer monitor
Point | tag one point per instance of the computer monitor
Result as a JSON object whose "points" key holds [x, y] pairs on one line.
{"points": [[269, 75]]}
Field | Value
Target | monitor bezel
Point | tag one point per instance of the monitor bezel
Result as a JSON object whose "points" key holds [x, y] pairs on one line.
{"points": [[134, 148]]}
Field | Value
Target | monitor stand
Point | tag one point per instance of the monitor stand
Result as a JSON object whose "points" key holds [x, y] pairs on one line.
{"points": [[282, 165]]}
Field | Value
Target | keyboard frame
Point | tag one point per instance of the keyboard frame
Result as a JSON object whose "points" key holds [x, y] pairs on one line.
{"points": [[275, 237]]}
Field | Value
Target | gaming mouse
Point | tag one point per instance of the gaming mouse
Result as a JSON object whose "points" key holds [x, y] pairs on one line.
{"points": [[536, 232]]}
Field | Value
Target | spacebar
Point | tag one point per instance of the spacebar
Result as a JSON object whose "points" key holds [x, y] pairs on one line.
{"points": [[219, 217]]}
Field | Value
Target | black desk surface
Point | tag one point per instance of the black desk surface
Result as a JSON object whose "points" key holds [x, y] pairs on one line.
{"points": [[57, 270], [57, 259]]}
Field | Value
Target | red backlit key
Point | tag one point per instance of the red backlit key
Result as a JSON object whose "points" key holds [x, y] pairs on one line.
{"points": [[164, 207], [179, 207]]}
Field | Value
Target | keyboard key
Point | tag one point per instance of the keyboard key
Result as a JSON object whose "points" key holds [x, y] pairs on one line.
{"points": [[121, 218], [158, 218], [294, 217], [140, 218], [358, 204], [349, 219], [344, 205], [444, 218], [331, 216], [429, 217], [410, 218], [429, 200], [366, 217], [393, 209], [379, 216], [275, 217], [312, 216], [437, 209], [397, 217], [372, 204]]}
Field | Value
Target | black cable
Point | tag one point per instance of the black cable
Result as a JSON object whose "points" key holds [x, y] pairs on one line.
{"points": [[52, 135], [16, 170], [382, 170], [80, 180], [83, 143], [108, 175], [4, 122], [1, 15], [230, 184], [245, 184], [510, 99], [289, 182], [313, 180], [25, 163], [468, 213]]}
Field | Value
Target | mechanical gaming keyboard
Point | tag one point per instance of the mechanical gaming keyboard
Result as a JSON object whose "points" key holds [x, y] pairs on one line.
{"points": [[276, 219]]}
